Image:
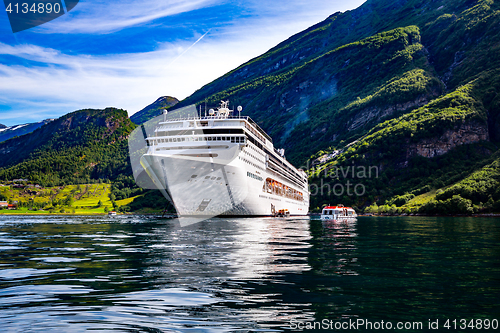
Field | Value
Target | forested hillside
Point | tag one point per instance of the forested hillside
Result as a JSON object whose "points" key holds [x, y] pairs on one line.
{"points": [[440, 157], [409, 87], [76, 148]]}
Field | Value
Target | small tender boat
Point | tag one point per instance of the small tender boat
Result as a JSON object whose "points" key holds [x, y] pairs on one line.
{"points": [[112, 213], [338, 212], [283, 213]]}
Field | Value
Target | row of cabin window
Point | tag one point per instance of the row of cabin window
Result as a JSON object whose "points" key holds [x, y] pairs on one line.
{"points": [[331, 212], [237, 139], [336, 212], [251, 175], [254, 157]]}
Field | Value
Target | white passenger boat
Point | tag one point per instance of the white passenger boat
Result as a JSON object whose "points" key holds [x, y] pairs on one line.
{"points": [[338, 212]]}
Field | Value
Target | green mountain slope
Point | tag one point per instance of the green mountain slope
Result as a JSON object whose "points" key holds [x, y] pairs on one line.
{"points": [[408, 87], [432, 146], [443, 147], [336, 83], [339, 29], [153, 110], [80, 146]]}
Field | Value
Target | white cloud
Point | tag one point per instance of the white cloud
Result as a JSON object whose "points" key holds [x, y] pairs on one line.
{"points": [[50, 83], [129, 81], [100, 16]]}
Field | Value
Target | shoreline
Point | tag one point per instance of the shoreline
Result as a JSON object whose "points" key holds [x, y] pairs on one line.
{"points": [[79, 214], [423, 215], [169, 215]]}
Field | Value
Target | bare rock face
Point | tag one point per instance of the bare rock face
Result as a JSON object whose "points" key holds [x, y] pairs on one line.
{"points": [[466, 133], [369, 114]]}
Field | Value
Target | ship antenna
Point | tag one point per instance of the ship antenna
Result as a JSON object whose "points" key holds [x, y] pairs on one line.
{"points": [[165, 114], [239, 108]]}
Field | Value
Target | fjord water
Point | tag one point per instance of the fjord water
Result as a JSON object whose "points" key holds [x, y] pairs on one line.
{"points": [[139, 274]]}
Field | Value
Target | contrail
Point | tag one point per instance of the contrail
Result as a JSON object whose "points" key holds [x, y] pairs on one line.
{"points": [[180, 55]]}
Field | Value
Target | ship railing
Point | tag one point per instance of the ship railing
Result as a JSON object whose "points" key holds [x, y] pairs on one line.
{"points": [[282, 173], [206, 118], [198, 118]]}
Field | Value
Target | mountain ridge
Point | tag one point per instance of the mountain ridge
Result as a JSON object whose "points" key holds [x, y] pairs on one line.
{"points": [[7, 132], [337, 30], [84, 144], [154, 109]]}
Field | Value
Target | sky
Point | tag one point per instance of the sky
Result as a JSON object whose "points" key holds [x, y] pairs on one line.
{"points": [[126, 54]]}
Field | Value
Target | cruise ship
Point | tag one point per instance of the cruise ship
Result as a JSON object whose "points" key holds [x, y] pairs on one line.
{"points": [[222, 164]]}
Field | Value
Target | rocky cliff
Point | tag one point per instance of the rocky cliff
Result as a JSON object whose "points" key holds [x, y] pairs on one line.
{"points": [[465, 133]]}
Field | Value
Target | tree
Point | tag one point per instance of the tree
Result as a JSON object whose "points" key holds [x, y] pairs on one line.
{"points": [[68, 201]]}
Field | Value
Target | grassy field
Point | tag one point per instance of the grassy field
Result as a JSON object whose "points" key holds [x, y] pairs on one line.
{"points": [[126, 201], [94, 194], [421, 199], [82, 199]]}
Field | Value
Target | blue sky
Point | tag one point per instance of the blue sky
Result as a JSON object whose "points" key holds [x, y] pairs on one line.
{"points": [[128, 53]]}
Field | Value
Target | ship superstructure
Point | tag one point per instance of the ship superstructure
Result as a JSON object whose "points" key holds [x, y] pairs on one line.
{"points": [[222, 164]]}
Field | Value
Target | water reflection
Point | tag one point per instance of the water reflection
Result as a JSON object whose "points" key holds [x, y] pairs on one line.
{"points": [[340, 237], [73, 274], [100, 273]]}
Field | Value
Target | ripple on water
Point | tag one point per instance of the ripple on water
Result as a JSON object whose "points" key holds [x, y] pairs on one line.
{"points": [[59, 259], [22, 273], [241, 274], [38, 293]]}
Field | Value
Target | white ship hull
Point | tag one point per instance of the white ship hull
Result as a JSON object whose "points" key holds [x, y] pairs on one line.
{"points": [[217, 189]]}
